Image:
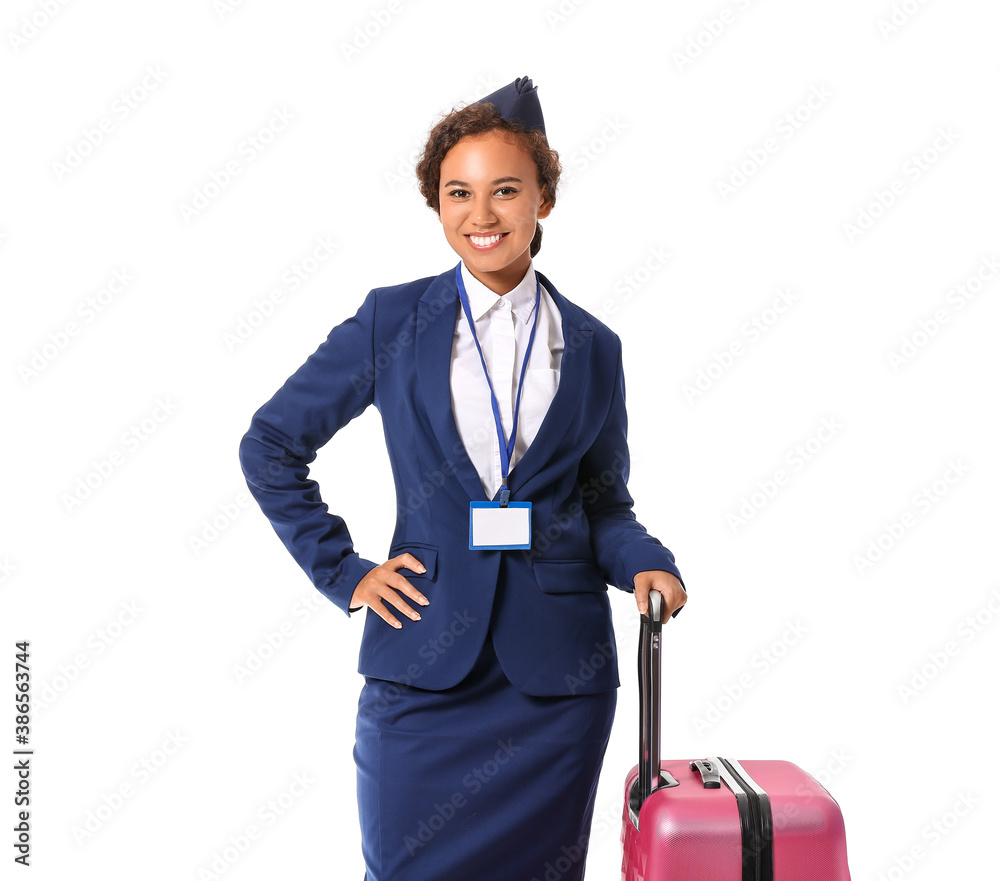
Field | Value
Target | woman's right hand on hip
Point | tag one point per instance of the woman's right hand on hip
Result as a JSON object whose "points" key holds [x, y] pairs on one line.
{"points": [[383, 584]]}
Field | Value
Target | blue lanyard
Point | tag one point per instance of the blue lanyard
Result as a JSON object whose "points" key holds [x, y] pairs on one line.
{"points": [[506, 447]]}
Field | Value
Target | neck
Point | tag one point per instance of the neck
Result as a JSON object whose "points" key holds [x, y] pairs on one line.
{"points": [[502, 281]]}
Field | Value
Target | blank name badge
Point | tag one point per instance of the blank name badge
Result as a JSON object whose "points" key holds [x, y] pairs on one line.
{"points": [[492, 528]]}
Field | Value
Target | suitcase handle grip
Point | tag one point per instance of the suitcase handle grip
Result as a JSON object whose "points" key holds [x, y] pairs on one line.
{"points": [[650, 630], [709, 773]]}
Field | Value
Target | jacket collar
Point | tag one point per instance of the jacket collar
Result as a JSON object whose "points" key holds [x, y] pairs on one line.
{"points": [[482, 299]]}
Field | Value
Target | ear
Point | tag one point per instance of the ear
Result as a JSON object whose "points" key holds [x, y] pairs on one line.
{"points": [[544, 205]]}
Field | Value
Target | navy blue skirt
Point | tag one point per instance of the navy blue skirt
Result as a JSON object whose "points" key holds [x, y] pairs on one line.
{"points": [[479, 781]]}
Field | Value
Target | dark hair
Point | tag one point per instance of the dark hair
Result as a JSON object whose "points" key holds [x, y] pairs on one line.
{"points": [[478, 119]]}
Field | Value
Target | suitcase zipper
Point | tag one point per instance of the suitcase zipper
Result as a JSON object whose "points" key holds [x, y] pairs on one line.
{"points": [[750, 866], [754, 809], [764, 844]]}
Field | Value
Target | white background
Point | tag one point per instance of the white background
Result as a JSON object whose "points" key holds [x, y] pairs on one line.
{"points": [[794, 644]]}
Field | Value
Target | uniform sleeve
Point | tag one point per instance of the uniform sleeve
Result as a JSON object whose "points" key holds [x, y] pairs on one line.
{"points": [[332, 387], [620, 543]]}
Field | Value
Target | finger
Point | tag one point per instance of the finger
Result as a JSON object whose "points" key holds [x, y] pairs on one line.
{"points": [[642, 597], [677, 595], [401, 584], [390, 596], [410, 562], [379, 608]]}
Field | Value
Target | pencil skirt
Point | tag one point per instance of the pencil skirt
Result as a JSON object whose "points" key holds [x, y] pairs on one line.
{"points": [[479, 782]]}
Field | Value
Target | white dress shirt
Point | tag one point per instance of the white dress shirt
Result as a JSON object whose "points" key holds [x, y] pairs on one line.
{"points": [[503, 325]]}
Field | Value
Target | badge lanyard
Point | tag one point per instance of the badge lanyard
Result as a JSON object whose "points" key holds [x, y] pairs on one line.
{"points": [[506, 447]]}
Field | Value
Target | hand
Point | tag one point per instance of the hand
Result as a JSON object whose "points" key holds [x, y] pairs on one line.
{"points": [[381, 584], [674, 595]]}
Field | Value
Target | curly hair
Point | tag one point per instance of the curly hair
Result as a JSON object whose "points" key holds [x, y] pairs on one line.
{"points": [[478, 119]]}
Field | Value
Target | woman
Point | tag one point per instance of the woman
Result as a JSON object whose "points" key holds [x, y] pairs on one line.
{"points": [[484, 719]]}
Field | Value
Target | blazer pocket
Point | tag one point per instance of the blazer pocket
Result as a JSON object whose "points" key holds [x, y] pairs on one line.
{"points": [[426, 554], [569, 576]]}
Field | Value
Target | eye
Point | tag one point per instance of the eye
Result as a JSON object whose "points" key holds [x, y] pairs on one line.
{"points": [[510, 190], [458, 193]]}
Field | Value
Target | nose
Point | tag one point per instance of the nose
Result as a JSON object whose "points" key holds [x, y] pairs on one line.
{"points": [[482, 212]]}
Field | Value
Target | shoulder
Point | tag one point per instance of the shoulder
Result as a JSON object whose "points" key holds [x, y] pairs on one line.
{"points": [[405, 290], [578, 319], [400, 302], [387, 306]]}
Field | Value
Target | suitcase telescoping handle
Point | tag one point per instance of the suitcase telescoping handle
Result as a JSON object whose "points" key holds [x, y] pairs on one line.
{"points": [[650, 629], [651, 777]]}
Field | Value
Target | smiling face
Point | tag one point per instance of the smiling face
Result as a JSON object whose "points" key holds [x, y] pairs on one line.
{"points": [[490, 201]]}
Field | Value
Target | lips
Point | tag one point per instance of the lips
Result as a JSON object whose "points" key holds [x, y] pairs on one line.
{"points": [[485, 243]]}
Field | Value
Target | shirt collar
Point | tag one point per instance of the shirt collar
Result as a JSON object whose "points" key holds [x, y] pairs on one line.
{"points": [[482, 299]]}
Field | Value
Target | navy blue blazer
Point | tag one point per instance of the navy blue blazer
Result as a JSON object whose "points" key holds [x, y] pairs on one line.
{"points": [[549, 608]]}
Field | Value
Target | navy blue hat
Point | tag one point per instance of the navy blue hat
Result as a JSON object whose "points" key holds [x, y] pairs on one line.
{"points": [[518, 102]]}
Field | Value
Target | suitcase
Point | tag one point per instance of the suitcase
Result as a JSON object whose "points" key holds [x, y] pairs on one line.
{"points": [[719, 819]]}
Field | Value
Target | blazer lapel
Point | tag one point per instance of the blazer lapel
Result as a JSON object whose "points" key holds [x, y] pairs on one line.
{"points": [[574, 372], [437, 311]]}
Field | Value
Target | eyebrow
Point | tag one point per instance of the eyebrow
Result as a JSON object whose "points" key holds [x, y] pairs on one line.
{"points": [[499, 180]]}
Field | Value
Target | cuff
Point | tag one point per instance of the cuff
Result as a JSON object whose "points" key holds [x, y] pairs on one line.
{"points": [[339, 588], [646, 557]]}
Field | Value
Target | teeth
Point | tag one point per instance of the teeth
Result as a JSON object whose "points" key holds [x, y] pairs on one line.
{"points": [[483, 241]]}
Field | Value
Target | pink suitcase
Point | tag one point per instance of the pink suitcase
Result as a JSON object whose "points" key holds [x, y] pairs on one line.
{"points": [[718, 819]]}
